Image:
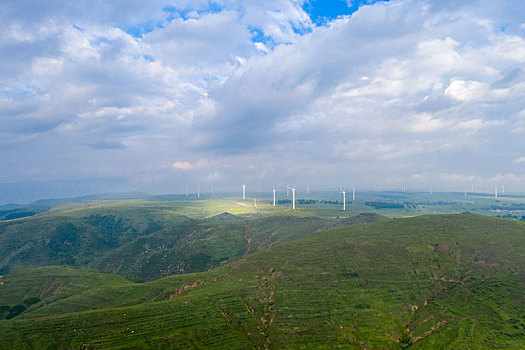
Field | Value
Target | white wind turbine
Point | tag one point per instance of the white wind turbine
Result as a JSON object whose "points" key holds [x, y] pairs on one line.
{"points": [[243, 192], [293, 195], [344, 200], [273, 196]]}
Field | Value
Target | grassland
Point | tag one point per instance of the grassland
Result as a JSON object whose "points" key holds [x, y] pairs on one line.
{"points": [[438, 281], [146, 240]]}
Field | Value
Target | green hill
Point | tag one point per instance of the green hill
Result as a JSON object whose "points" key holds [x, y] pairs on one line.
{"points": [[453, 281], [145, 241]]}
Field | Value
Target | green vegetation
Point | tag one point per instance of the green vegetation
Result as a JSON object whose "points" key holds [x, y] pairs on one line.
{"points": [[223, 274], [148, 240], [385, 205], [452, 281]]}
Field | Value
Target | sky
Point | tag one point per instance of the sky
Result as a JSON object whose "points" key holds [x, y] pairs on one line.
{"points": [[134, 95]]}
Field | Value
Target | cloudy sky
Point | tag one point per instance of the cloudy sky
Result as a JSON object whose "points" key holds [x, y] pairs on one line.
{"points": [[154, 95]]}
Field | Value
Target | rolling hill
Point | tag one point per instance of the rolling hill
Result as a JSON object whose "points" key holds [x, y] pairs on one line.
{"points": [[148, 242], [443, 281]]}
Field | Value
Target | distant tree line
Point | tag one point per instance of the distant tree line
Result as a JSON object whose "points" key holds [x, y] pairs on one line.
{"points": [[508, 207], [385, 205], [15, 214], [508, 216], [432, 203], [307, 201], [330, 202]]}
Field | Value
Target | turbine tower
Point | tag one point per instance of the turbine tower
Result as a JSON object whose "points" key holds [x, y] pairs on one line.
{"points": [[243, 192], [344, 200], [186, 190], [307, 190], [353, 193], [496, 192], [273, 196], [198, 192], [293, 194], [255, 203]]}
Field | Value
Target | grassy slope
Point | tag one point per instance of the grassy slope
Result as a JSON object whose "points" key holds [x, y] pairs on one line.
{"points": [[429, 282], [147, 240]]}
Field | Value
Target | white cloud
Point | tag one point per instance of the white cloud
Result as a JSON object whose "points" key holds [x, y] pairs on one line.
{"points": [[261, 47], [507, 178], [519, 160], [466, 90], [191, 43], [182, 165], [406, 87], [425, 123]]}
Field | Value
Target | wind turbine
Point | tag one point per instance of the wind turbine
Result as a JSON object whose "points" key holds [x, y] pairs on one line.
{"points": [[255, 203], [293, 195], [198, 192], [243, 192], [273, 196], [353, 193], [307, 190], [344, 200], [186, 190], [496, 192]]}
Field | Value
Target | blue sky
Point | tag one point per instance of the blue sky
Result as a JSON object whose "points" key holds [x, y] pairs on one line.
{"points": [[322, 12], [151, 96]]}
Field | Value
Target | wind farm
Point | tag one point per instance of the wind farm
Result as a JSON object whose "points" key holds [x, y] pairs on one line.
{"points": [[210, 257]]}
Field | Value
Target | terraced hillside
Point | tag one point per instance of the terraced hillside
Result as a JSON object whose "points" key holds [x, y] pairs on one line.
{"points": [[148, 242], [452, 281]]}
